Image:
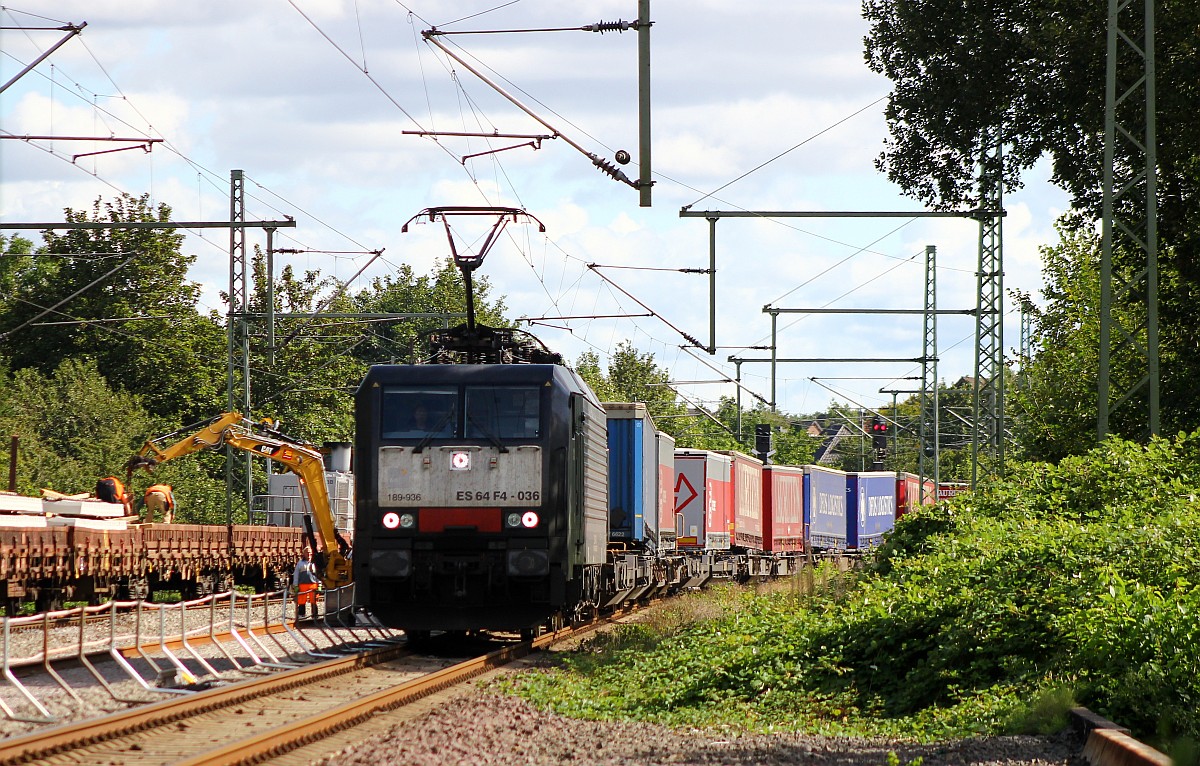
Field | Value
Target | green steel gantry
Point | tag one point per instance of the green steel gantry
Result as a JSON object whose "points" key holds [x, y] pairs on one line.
{"points": [[1130, 221]]}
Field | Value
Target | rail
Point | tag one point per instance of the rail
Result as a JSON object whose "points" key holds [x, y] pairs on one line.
{"points": [[245, 629]]}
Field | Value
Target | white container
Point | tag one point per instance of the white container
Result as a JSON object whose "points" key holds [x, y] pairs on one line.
{"points": [[10, 503], [91, 508], [286, 507], [80, 522], [22, 521]]}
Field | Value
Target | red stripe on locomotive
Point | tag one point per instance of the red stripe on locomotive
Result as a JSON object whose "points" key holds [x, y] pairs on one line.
{"points": [[443, 519]]}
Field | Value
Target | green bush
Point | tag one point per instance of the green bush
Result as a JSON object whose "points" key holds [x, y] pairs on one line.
{"points": [[1059, 583]]}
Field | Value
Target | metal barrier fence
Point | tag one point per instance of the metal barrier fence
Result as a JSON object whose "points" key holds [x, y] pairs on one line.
{"points": [[246, 629]]}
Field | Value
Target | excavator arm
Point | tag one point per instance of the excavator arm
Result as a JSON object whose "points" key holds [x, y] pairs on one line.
{"points": [[235, 430]]}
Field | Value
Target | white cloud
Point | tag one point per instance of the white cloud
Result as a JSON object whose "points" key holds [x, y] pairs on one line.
{"points": [[256, 87]]}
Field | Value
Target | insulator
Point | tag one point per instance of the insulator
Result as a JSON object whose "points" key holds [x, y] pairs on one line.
{"points": [[610, 26], [611, 169]]}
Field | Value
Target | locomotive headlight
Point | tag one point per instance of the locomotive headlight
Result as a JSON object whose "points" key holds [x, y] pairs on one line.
{"points": [[407, 520], [460, 460], [529, 520], [391, 520], [512, 520]]}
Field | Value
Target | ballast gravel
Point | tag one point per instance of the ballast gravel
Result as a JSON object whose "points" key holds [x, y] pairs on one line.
{"points": [[486, 729]]}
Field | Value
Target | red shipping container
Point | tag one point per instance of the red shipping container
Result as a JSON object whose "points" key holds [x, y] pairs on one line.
{"points": [[949, 489], [703, 516], [746, 497], [783, 508], [908, 493]]}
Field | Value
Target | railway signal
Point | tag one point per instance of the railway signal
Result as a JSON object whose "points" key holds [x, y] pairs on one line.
{"points": [[763, 448], [879, 433], [879, 440]]}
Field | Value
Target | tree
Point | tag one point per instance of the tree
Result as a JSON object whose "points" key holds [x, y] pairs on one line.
{"points": [[1054, 398], [636, 377], [1035, 71], [440, 292], [122, 298], [306, 381], [588, 367], [69, 438], [16, 263]]}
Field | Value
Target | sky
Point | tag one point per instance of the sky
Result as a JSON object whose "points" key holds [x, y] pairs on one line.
{"points": [[760, 106]]}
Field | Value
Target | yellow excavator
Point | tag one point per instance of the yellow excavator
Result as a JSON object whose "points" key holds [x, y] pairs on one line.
{"points": [[263, 439]]}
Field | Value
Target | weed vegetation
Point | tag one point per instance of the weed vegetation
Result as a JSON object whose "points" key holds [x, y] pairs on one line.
{"points": [[1066, 584]]}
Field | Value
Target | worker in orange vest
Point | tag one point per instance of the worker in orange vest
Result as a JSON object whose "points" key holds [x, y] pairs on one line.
{"points": [[111, 490], [159, 499], [305, 583]]}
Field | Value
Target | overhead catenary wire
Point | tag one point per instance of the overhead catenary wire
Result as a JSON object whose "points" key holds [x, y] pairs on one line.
{"points": [[788, 151], [72, 296], [212, 177], [549, 282], [541, 281], [362, 69], [481, 13], [201, 171]]}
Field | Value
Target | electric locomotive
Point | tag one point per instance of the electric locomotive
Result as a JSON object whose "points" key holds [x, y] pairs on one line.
{"points": [[482, 496]]}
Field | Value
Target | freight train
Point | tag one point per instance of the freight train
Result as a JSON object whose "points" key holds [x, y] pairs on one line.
{"points": [[507, 497]]}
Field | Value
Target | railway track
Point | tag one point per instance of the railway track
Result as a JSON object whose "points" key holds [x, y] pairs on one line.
{"points": [[292, 716]]}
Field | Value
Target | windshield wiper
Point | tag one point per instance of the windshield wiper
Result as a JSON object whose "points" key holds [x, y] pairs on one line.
{"points": [[495, 440], [421, 445]]}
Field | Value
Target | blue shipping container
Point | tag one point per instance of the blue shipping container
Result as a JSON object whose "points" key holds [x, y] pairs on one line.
{"points": [[872, 497], [632, 474], [825, 507]]}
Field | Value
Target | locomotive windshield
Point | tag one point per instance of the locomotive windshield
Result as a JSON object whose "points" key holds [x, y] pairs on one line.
{"points": [[418, 413], [488, 412], [502, 412]]}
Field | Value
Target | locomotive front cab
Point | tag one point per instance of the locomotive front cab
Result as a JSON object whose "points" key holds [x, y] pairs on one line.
{"points": [[463, 495]]}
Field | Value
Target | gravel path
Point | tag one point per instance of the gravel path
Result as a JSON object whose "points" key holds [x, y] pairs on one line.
{"points": [[495, 730]]}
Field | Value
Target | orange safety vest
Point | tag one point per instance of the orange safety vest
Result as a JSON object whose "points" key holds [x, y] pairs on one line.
{"points": [[117, 488], [165, 490]]}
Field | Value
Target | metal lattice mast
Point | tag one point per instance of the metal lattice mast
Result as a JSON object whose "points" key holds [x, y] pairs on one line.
{"points": [[1026, 332], [928, 435], [988, 401], [237, 381], [1027, 342], [1130, 220]]}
